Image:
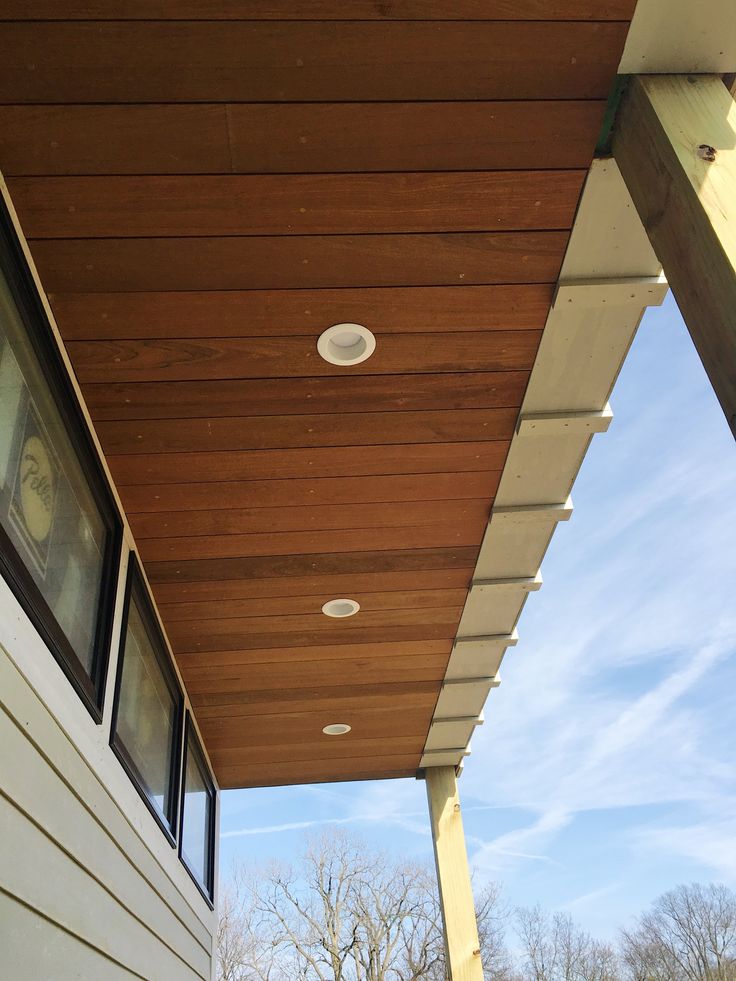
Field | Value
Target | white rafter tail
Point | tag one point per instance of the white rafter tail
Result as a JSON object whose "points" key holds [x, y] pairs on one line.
{"points": [[480, 656], [444, 757], [444, 733], [621, 291], [463, 696], [565, 423]]}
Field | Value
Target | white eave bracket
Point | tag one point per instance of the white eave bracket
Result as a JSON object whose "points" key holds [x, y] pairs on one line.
{"points": [[636, 291], [565, 423]]}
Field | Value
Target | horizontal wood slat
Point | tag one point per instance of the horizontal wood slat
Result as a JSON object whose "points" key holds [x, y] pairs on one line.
{"points": [[294, 204], [410, 599], [301, 261], [416, 458], [275, 313], [88, 62], [332, 771], [283, 432], [202, 679], [255, 590], [254, 397], [290, 357], [444, 535], [251, 705], [297, 138], [234, 660], [312, 750], [318, 10], [317, 564], [149, 499], [235, 521]]}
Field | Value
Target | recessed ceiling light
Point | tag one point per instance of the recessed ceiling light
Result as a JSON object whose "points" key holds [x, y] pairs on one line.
{"points": [[341, 608], [346, 344], [336, 729]]}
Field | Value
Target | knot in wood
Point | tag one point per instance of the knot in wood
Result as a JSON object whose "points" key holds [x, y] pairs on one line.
{"points": [[707, 152]]}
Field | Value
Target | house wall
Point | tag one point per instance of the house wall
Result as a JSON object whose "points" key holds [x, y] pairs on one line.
{"points": [[89, 885]]}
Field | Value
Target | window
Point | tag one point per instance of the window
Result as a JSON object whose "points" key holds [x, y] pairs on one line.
{"points": [[197, 838], [60, 534], [147, 713]]}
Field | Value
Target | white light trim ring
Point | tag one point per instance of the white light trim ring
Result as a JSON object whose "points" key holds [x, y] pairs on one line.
{"points": [[337, 729], [346, 344], [340, 608]]}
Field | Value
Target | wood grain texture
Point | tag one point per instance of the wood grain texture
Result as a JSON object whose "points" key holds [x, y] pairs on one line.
{"points": [[335, 749], [283, 313], [283, 432], [244, 521], [258, 590], [236, 660], [294, 357], [294, 204], [312, 564], [297, 138], [350, 461], [272, 495], [254, 397], [299, 262], [118, 61], [332, 771], [448, 534], [250, 705], [318, 10], [409, 599]]}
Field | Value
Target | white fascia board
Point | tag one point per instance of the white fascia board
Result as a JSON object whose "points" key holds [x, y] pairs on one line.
{"points": [[681, 37], [533, 512], [517, 538], [620, 291], [564, 424], [493, 607], [444, 733], [444, 757]]}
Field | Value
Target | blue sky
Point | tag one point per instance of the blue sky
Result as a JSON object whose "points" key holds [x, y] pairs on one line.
{"points": [[604, 773]]}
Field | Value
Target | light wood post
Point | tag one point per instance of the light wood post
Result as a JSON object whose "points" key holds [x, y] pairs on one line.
{"points": [[675, 144], [462, 948]]}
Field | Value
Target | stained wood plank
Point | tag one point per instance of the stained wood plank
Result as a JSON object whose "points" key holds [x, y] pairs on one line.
{"points": [[274, 313], [410, 599], [294, 204], [317, 564], [297, 138], [336, 749], [288, 774], [350, 461], [149, 499], [244, 521], [360, 393], [294, 357], [283, 432], [237, 633], [259, 590], [118, 61], [318, 10], [235, 660], [264, 703], [202, 678], [301, 261], [445, 535]]}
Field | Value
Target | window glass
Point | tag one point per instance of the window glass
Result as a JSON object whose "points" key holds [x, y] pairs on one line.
{"points": [[148, 708], [58, 535], [197, 825]]}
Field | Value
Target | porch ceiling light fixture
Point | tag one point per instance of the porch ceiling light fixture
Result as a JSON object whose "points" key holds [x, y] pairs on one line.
{"points": [[346, 344], [340, 608], [336, 729]]}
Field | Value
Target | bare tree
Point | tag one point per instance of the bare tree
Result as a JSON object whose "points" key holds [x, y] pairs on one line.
{"points": [[347, 913], [555, 949], [688, 935]]}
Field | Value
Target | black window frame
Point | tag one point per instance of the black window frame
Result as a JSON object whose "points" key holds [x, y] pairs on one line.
{"points": [[135, 587], [25, 294], [207, 889]]}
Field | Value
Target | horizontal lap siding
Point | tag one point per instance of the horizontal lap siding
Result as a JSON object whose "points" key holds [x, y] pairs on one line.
{"points": [[71, 856]]}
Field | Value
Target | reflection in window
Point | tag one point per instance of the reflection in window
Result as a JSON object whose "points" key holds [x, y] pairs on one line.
{"points": [[148, 707], [198, 815], [58, 529]]}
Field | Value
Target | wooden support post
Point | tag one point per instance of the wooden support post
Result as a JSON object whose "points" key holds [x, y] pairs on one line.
{"points": [[675, 144], [462, 948]]}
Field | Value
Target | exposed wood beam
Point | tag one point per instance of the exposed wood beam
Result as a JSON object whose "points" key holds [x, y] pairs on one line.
{"points": [[675, 144], [456, 896]]}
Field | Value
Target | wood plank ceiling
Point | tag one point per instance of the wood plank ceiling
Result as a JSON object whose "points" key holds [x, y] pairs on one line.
{"points": [[209, 184]]}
